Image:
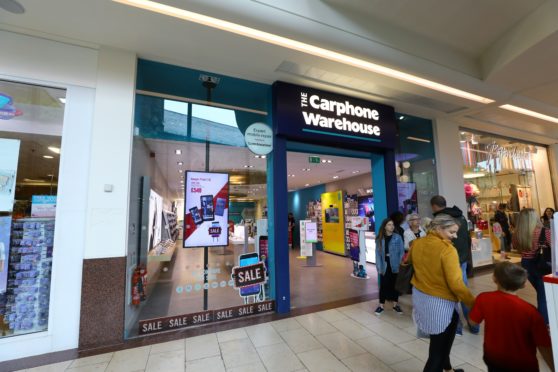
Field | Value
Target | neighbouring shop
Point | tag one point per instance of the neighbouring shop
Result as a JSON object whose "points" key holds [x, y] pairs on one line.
{"points": [[501, 174]]}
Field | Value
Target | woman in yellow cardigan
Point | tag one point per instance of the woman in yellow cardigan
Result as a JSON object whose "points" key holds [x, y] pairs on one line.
{"points": [[437, 289]]}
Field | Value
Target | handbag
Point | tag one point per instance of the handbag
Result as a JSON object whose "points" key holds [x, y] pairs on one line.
{"points": [[404, 276], [542, 259]]}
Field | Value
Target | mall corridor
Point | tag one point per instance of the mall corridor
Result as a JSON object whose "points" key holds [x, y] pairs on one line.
{"points": [[349, 338]]}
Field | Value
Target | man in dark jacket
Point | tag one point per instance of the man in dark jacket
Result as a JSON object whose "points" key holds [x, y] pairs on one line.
{"points": [[462, 243]]}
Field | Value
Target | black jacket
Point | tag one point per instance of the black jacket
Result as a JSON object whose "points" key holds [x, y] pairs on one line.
{"points": [[463, 241]]}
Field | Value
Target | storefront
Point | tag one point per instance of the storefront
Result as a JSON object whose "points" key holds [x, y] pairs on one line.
{"points": [[506, 175], [208, 224]]}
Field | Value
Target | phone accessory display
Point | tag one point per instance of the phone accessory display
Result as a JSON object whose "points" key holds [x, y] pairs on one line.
{"points": [[28, 291]]}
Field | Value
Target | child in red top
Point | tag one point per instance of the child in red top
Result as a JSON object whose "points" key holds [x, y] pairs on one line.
{"points": [[513, 328]]}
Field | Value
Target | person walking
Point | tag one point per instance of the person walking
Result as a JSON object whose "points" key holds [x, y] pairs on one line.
{"points": [[437, 288], [530, 235], [414, 231], [389, 253], [547, 217], [514, 330], [462, 243], [501, 217]]}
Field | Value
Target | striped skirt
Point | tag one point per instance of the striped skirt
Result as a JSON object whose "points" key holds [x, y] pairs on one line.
{"points": [[432, 314]]}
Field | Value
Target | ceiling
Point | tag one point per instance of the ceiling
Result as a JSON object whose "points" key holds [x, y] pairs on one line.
{"points": [[501, 49], [247, 172]]}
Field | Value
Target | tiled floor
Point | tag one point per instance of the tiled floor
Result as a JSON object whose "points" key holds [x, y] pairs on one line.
{"points": [[349, 338]]}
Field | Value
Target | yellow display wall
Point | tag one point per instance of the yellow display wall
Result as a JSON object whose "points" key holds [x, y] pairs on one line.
{"points": [[333, 222]]}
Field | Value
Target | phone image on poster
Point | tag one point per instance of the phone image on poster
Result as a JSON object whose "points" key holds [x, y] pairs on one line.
{"points": [[263, 248], [196, 215], [245, 260], [207, 207], [220, 205]]}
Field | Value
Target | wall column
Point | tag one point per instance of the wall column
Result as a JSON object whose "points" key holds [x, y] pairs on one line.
{"points": [[449, 163]]}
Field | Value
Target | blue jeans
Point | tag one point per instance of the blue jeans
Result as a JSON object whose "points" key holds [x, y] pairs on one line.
{"points": [[465, 309], [536, 280]]}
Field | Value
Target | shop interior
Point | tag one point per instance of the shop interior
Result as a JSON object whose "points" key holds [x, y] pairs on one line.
{"points": [[336, 193], [30, 140], [506, 175]]}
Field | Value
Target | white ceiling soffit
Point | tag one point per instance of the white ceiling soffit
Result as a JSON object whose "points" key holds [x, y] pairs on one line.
{"points": [[382, 39], [368, 87]]}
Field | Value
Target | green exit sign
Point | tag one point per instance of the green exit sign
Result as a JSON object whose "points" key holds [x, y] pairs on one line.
{"points": [[314, 159]]}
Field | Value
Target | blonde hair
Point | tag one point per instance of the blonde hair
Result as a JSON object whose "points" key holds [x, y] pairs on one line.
{"points": [[442, 221], [527, 221]]}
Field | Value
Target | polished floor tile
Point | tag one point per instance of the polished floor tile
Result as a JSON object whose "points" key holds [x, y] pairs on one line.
{"points": [[287, 324], [213, 364], [169, 361], [340, 345], [366, 363], [300, 340], [96, 359], [167, 346], [238, 353], [90, 368], [263, 335], [279, 357], [201, 347], [129, 360], [384, 350], [352, 329], [321, 360]]}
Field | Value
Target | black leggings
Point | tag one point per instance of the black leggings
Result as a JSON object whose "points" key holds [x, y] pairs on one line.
{"points": [[387, 285], [440, 348]]}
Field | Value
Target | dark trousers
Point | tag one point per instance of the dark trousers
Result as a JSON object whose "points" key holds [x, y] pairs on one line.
{"points": [[536, 280], [387, 285], [440, 348]]}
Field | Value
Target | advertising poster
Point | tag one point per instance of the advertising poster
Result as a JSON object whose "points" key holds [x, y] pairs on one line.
{"points": [[5, 227], [311, 232], [305, 246], [43, 206], [9, 155], [354, 249], [206, 211], [407, 196], [155, 220], [366, 209]]}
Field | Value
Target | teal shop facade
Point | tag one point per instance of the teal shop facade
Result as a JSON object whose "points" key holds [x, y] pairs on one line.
{"points": [[203, 115]]}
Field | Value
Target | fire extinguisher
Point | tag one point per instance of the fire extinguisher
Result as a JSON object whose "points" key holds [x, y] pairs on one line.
{"points": [[136, 298]]}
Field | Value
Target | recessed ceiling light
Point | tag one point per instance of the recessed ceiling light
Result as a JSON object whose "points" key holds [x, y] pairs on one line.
{"points": [[306, 169], [355, 171], [418, 139], [248, 166], [180, 163], [329, 161], [180, 171], [181, 181], [48, 157], [401, 117], [335, 177], [260, 156], [54, 149], [306, 185], [323, 160], [12, 6], [534, 114], [299, 46], [178, 152]]}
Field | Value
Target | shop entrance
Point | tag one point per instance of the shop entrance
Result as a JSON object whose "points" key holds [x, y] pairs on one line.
{"points": [[335, 193]]}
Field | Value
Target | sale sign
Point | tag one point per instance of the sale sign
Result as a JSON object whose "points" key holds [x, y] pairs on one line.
{"points": [[206, 211]]}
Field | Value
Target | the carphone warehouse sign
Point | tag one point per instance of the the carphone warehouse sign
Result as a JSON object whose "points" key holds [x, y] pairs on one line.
{"points": [[309, 114]]}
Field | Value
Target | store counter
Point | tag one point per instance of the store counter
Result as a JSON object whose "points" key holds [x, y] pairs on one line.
{"points": [[551, 291], [481, 250]]}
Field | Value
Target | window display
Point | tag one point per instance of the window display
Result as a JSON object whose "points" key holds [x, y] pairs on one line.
{"points": [[29, 166], [209, 191], [501, 177]]}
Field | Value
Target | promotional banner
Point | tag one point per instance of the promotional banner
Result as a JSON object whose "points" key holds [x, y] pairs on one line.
{"points": [[9, 155], [311, 232], [206, 211], [305, 245], [5, 227], [43, 206], [155, 220]]}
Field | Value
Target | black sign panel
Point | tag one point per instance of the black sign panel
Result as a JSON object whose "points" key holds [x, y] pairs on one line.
{"points": [[189, 320], [321, 117], [248, 275]]}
